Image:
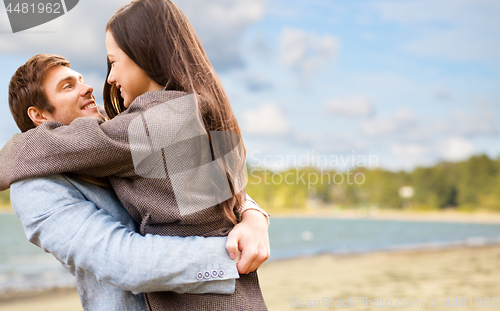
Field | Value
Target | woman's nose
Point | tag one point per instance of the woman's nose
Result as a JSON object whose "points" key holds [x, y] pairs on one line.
{"points": [[111, 80]]}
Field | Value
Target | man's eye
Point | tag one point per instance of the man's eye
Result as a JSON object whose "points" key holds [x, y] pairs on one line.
{"points": [[68, 86]]}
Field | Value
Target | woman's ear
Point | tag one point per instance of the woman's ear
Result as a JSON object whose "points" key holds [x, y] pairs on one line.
{"points": [[37, 115]]}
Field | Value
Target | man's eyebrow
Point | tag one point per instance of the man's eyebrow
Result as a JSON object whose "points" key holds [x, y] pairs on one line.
{"points": [[68, 78]]}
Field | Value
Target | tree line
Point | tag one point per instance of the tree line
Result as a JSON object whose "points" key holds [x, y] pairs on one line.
{"points": [[468, 185]]}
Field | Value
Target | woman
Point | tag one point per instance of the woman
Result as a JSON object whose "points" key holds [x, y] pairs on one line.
{"points": [[156, 64], [151, 44]]}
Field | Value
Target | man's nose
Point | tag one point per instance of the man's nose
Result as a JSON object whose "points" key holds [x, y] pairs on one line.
{"points": [[87, 90]]}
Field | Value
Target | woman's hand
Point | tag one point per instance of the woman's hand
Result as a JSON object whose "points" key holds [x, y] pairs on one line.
{"points": [[252, 239]]}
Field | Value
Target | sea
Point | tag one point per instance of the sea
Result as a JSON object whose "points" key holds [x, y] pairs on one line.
{"points": [[25, 267]]}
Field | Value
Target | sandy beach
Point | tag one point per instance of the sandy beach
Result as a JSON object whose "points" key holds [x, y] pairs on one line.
{"points": [[407, 277]]}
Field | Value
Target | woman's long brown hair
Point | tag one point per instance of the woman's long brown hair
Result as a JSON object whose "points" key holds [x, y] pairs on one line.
{"points": [[158, 37]]}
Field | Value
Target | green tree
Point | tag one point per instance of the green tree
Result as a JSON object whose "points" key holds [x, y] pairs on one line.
{"points": [[5, 197], [436, 187], [476, 179]]}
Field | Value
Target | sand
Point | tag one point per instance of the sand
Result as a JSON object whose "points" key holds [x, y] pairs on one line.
{"points": [[411, 277], [55, 300], [414, 276]]}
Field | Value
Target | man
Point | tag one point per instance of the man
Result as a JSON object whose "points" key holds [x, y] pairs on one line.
{"points": [[85, 227]]}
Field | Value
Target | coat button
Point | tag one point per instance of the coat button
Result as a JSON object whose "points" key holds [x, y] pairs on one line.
{"points": [[199, 276], [215, 273], [221, 273], [206, 275]]}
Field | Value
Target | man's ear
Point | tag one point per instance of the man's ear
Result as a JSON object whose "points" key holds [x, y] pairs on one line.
{"points": [[37, 115]]}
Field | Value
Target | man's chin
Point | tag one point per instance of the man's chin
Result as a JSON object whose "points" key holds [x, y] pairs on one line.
{"points": [[93, 114]]}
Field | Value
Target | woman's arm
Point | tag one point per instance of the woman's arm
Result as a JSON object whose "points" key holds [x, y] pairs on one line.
{"points": [[86, 146]]}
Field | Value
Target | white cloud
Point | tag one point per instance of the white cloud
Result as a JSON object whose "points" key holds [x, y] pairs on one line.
{"points": [[410, 152], [353, 106], [453, 149], [257, 83], [385, 125], [456, 45], [468, 123], [267, 120], [461, 30], [404, 115], [378, 127], [441, 93], [4, 21], [79, 35], [473, 124], [220, 25], [456, 149], [307, 51], [325, 142], [387, 85]]}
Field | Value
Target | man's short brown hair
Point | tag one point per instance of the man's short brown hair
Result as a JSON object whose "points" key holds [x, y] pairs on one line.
{"points": [[26, 88]]}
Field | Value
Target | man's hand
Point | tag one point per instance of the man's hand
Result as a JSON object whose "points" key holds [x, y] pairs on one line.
{"points": [[252, 239]]}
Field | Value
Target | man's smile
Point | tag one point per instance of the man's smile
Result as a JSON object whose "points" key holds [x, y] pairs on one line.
{"points": [[89, 105]]}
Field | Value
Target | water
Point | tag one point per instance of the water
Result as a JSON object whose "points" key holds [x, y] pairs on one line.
{"points": [[291, 237], [24, 266]]}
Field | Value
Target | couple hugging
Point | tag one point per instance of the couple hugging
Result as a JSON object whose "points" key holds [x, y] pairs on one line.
{"points": [[144, 203]]}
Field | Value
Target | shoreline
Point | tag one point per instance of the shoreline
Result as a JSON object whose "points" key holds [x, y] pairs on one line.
{"points": [[399, 215], [401, 275], [6, 210], [446, 215]]}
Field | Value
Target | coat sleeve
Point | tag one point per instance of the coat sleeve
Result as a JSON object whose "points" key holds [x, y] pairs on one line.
{"points": [[58, 218], [87, 146]]}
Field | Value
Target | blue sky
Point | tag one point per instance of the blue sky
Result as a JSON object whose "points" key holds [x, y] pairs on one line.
{"points": [[409, 82]]}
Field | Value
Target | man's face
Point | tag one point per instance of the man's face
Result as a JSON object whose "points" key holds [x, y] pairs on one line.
{"points": [[70, 96]]}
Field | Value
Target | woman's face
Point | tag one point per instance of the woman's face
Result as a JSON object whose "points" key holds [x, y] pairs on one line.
{"points": [[129, 78]]}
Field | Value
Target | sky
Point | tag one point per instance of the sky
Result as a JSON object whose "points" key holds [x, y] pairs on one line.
{"points": [[393, 84]]}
